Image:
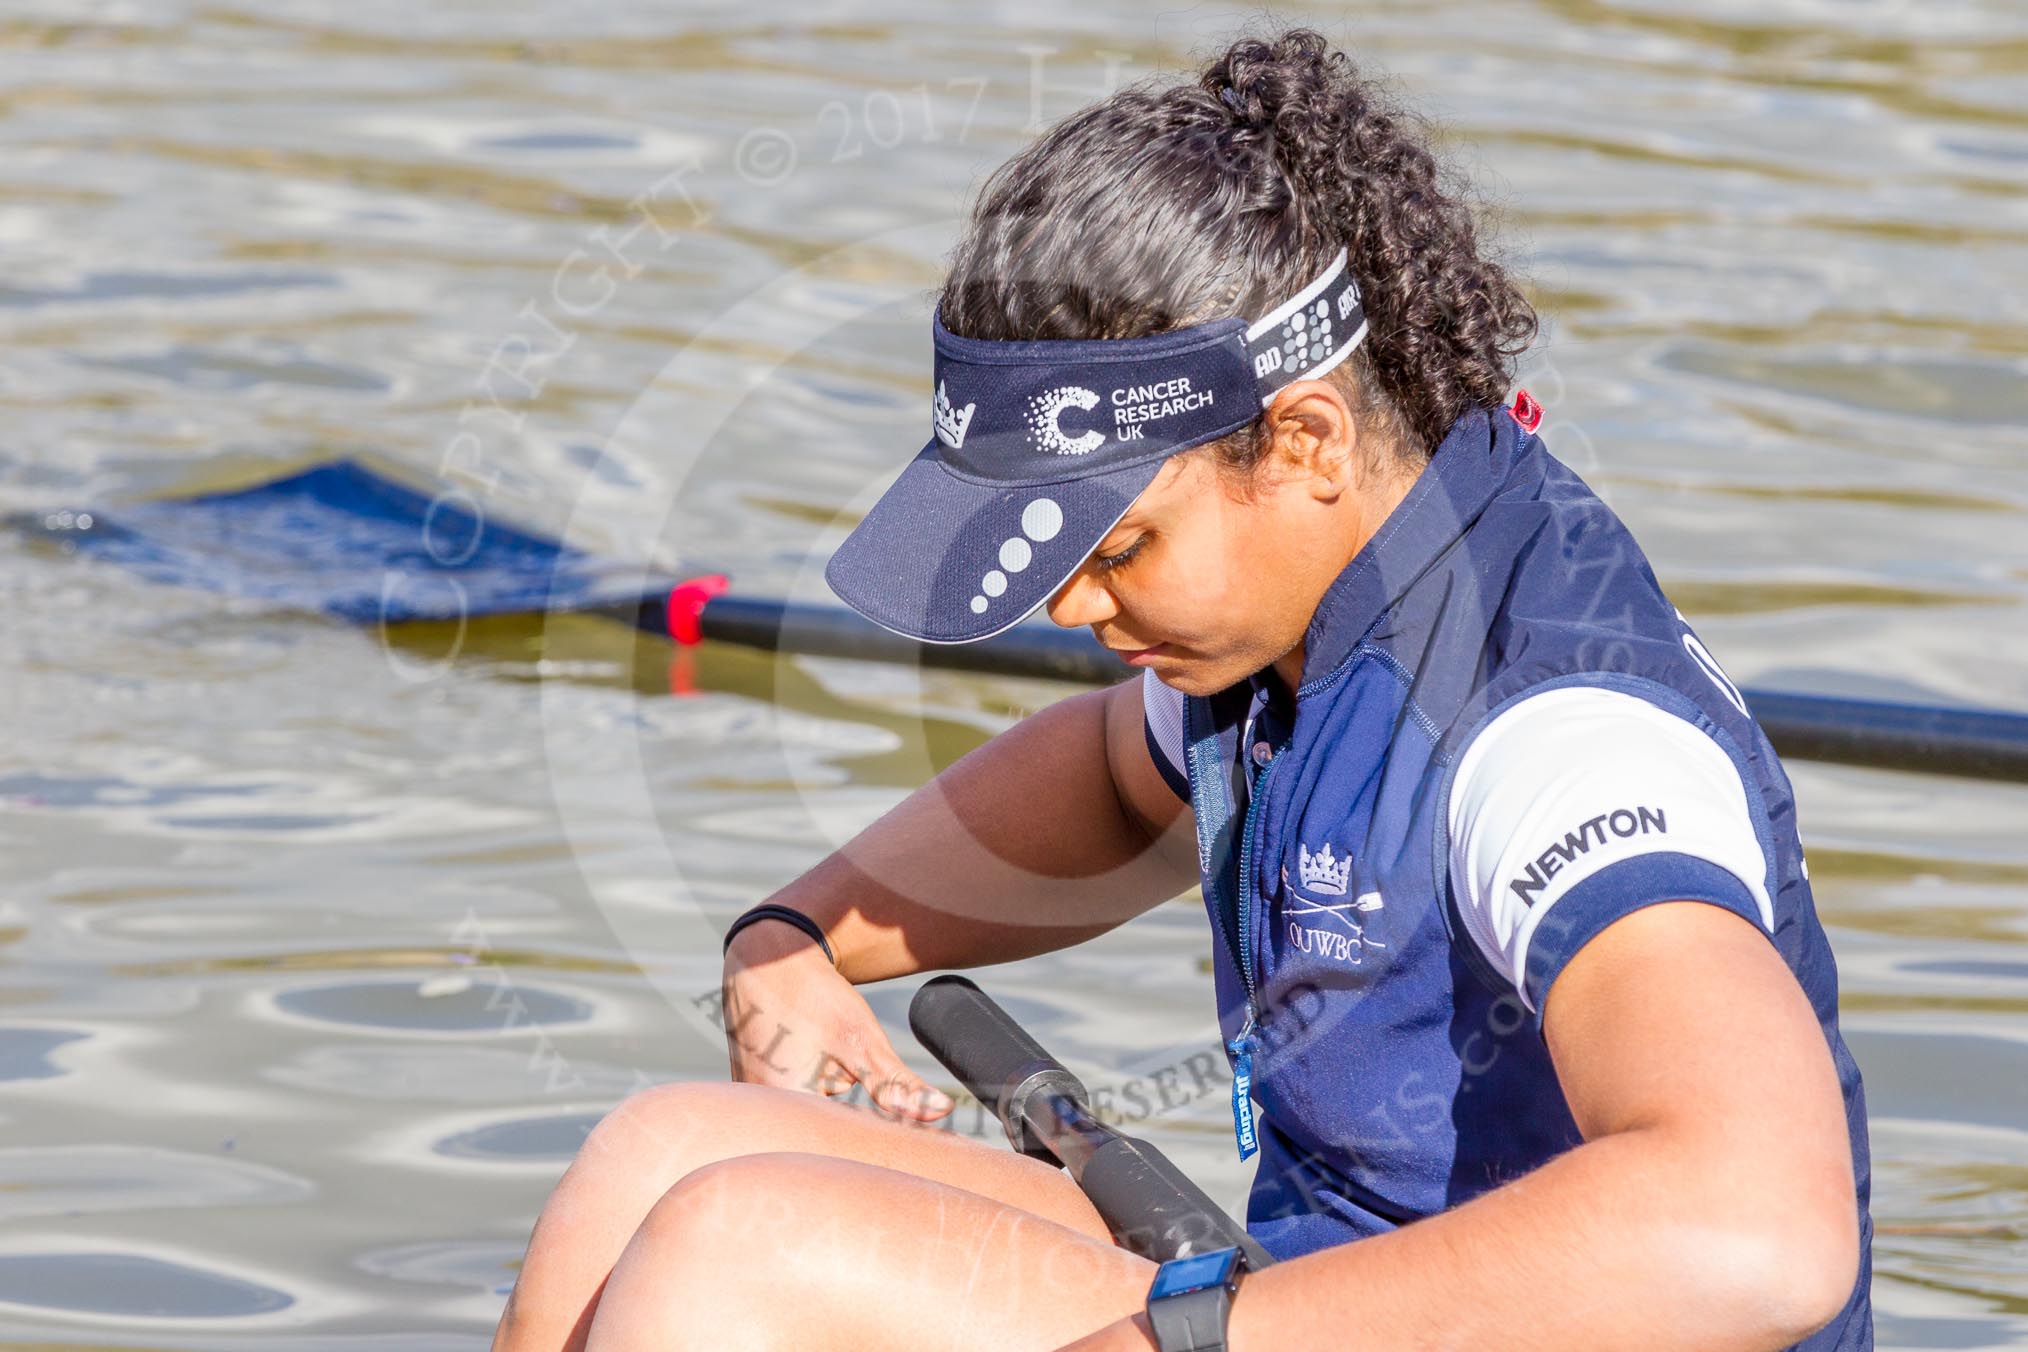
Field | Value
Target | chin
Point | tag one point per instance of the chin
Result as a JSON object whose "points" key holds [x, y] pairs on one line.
{"points": [[1192, 679]]}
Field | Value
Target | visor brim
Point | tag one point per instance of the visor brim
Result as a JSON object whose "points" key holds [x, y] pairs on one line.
{"points": [[942, 559]]}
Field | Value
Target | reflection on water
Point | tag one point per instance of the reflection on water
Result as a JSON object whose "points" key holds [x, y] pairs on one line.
{"points": [[323, 948], [25, 1052], [130, 1286], [74, 1180], [540, 1138], [455, 1005]]}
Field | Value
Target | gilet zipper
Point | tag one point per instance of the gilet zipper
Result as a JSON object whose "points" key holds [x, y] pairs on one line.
{"points": [[1248, 1041]]}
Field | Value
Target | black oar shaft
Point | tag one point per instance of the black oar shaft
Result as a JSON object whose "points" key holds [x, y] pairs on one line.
{"points": [[1979, 743], [826, 631], [1150, 1206]]}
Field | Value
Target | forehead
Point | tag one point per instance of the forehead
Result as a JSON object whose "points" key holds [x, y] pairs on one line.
{"points": [[1182, 481]]}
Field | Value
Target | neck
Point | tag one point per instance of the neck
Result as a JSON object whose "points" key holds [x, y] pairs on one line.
{"points": [[1374, 504], [1289, 666]]}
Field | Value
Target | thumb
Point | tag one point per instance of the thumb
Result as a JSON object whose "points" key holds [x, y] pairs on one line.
{"points": [[898, 1090]]}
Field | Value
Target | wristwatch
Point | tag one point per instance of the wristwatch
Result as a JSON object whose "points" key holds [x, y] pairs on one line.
{"points": [[1192, 1298]]}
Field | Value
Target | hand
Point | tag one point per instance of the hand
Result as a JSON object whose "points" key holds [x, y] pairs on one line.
{"points": [[793, 1021]]}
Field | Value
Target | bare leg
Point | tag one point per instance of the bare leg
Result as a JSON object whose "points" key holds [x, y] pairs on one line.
{"points": [[658, 1136], [813, 1253]]}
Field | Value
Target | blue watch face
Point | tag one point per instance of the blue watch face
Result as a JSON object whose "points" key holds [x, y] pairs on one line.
{"points": [[1180, 1276]]}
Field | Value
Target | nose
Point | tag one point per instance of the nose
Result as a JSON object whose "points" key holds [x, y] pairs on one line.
{"points": [[1083, 600]]}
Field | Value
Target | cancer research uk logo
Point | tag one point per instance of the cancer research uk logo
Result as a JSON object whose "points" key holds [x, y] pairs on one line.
{"points": [[1045, 421], [1133, 408]]}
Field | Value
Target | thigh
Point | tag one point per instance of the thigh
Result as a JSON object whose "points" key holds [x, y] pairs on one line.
{"points": [[813, 1251], [655, 1137]]}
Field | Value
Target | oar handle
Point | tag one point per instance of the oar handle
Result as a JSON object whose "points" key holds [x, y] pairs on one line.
{"points": [[992, 1056], [1150, 1206]]}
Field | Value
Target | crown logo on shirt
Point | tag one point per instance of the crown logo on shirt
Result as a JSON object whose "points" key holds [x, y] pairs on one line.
{"points": [[1320, 872], [952, 422]]}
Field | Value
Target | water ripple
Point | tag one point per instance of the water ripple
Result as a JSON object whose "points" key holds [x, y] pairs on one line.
{"points": [[341, 939], [131, 1286], [79, 1179]]}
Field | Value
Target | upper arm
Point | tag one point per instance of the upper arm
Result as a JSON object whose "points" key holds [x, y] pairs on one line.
{"points": [[1682, 1021], [1133, 741], [1606, 860], [1683, 1013], [1580, 805]]}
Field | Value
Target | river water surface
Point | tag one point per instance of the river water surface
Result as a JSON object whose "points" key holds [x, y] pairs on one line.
{"points": [[320, 948]]}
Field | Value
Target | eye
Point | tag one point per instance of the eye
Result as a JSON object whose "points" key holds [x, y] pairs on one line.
{"points": [[1107, 562]]}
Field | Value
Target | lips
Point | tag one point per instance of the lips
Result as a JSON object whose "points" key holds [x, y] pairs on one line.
{"points": [[1137, 656]]}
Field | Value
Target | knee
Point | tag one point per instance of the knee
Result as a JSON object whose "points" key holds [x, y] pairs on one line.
{"points": [[697, 1269], [716, 1245], [656, 1136], [661, 1122], [742, 1216], [635, 1151], [716, 1208], [649, 1141]]}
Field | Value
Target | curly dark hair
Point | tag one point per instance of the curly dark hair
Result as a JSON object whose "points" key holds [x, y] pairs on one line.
{"points": [[1162, 207]]}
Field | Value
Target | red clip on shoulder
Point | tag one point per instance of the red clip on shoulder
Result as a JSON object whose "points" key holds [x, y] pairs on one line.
{"points": [[686, 606], [1526, 411]]}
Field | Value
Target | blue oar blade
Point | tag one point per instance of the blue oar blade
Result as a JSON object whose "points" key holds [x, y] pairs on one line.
{"points": [[343, 540]]}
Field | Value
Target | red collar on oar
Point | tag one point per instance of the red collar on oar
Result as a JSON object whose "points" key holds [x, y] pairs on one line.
{"points": [[686, 604]]}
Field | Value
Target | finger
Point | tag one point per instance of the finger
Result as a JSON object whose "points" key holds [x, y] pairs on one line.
{"points": [[833, 1077], [924, 1102], [900, 1091]]}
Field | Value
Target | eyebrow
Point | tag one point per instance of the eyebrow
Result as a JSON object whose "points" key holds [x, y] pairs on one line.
{"points": [[1130, 522]]}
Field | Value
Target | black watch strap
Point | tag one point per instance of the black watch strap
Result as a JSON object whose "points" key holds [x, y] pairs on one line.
{"points": [[1188, 1307], [1194, 1322]]}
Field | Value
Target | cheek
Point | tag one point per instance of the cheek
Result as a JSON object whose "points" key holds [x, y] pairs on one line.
{"points": [[1206, 596], [1251, 579]]}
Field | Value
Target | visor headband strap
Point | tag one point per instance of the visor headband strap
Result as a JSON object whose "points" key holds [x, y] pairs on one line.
{"points": [[1307, 334]]}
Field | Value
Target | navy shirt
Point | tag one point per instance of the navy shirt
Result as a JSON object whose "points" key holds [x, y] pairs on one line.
{"points": [[1505, 738]]}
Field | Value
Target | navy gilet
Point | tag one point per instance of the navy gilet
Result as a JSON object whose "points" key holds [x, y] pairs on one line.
{"points": [[1397, 1073]]}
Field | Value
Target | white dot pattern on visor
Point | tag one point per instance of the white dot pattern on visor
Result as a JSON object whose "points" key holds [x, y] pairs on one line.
{"points": [[1041, 521]]}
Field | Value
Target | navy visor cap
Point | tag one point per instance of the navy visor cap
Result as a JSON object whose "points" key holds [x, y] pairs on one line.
{"points": [[1040, 447]]}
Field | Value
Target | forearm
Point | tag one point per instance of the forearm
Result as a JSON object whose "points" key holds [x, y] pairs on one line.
{"points": [[1021, 847], [1644, 1238]]}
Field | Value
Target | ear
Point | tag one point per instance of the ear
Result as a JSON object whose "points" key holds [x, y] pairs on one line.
{"points": [[1315, 437]]}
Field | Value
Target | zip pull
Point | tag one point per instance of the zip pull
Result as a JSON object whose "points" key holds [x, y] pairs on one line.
{"points": [[1242, 1089]]}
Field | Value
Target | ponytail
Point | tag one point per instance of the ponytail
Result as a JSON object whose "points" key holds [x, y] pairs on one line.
{"points": [[1445, 323], [1161, 207]]}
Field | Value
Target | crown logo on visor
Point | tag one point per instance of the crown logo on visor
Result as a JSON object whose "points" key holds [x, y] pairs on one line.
{"points": [[1320, 872], [952, 422]]}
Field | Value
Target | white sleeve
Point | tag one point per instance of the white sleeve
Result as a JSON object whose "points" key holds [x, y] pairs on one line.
{"points": [[1163, 706], [1579, 805]]}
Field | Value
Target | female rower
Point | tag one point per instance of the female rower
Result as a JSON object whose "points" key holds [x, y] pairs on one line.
{"points": [[1514, 944]]}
